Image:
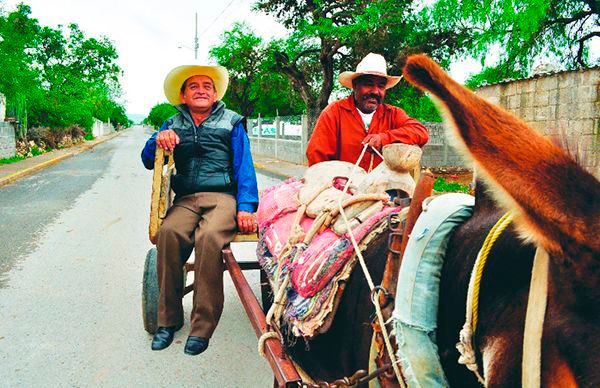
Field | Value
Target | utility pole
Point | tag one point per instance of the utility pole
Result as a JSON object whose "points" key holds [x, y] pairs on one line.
{"points": [[196, 45]]}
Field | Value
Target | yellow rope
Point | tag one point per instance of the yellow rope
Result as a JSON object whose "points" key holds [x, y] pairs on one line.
{"points": [[491, 238], [263, 338], [465, 344]]}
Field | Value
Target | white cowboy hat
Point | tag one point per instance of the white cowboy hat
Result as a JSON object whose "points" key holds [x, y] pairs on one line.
{"points": [[178, 75], [372, 64]]}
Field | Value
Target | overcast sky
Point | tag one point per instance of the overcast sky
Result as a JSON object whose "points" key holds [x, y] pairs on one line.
{"points": [[147, 34]]}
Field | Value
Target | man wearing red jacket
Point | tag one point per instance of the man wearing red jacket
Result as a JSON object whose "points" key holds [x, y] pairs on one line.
{"points": [[346, 125]]}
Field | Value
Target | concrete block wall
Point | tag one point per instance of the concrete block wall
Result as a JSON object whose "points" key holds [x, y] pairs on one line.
{"points": [[438, 152], [7, 133], [7, 141], [282, 138], [564, 106], [288, 150]]}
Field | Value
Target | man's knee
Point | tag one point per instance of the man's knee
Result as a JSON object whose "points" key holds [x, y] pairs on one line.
{"points": [[174, 233], [214, 233]]}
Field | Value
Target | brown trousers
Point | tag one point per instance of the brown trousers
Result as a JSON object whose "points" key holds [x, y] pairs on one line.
{"points": [[206, 222]]}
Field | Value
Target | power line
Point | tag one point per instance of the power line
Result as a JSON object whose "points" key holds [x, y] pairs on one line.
{"points": [[217, 18]]}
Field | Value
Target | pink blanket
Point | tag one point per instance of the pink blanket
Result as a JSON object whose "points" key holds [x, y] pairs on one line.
{"points": [[326, 255], [278, 200], [327, 252]]}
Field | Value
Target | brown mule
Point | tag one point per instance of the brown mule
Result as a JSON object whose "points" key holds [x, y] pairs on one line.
{"points": [[556, 204]]}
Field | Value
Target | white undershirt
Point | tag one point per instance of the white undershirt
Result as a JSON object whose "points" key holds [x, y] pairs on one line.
{"points": [[366, 117]]}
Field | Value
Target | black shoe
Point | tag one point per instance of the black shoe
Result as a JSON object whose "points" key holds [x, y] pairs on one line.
{"points": [[164, 337], [195, 345]]}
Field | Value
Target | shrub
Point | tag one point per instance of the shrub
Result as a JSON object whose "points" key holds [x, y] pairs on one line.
{"points": [[11, 159], [441, 185], [76, 131], [35, 151], [159, 113]]}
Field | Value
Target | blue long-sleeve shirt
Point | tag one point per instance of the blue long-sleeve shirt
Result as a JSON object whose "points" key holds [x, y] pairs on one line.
{"points": [[243, 166]]}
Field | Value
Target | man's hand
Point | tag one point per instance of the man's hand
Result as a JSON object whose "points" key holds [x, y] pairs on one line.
{"points": [[246, 222], [373, 140], [167, 139]]}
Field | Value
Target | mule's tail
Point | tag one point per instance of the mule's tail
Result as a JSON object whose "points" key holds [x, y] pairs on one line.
{"points": [[556, 201]]}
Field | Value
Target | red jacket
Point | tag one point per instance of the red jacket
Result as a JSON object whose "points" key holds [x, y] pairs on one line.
{"points": [[340, 130]]}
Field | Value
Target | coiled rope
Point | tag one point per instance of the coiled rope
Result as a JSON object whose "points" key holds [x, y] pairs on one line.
{"points": [[465, 346]]}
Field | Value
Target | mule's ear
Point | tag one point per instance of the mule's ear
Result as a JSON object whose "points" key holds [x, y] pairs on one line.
{"points": [[555, 201]]}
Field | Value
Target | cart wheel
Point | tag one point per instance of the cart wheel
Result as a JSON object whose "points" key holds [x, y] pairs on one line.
{"points": [[150, 293]]}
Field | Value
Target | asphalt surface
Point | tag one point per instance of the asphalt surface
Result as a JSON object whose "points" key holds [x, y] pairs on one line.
{"points": [[29, 205], [73, 239]]}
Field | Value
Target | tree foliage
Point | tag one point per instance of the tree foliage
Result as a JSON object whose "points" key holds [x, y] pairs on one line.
{"points": [[330, 36], [510, 36], [57, 77], [253, 87], [320, 29], [159, 113]]}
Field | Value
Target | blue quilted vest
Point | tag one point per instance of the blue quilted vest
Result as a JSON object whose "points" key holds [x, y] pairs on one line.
{"points": [[203, 158]]}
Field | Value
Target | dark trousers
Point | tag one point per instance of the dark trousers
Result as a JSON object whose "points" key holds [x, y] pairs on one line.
{"points": [[206, 222]]}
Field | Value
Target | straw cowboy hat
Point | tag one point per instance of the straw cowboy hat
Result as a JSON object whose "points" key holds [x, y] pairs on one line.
{"points": [[178, 75], [372, 64]]}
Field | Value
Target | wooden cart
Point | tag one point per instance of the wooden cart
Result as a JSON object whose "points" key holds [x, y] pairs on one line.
{"points": [[283, 368]]}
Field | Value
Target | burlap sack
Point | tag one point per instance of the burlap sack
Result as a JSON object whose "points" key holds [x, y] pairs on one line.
{"points": [[402, 157], [321, 173]]}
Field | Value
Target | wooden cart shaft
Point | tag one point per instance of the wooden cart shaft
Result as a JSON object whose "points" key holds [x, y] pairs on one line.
{"points": [[282, 366]]}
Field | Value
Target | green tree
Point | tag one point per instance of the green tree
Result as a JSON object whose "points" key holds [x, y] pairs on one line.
{"points": [[159, 113], [508, 37], [56, 77], [253, 86], [330, 36], [308, 56], [240, 51], [79, 78], [18, 37]]}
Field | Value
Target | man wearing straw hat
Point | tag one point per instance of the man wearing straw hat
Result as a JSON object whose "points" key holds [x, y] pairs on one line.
{"points": [[345, 126], [216, 195]]}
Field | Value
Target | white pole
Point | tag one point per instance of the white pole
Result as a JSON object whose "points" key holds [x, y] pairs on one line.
{"points": [[196, 39]]}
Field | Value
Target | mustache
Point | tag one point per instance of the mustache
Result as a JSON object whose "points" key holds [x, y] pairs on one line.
{"points": [[374, 96]]}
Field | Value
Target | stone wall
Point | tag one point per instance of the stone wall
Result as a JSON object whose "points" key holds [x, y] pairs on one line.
{"points": [[564, 106], [7, 133]]}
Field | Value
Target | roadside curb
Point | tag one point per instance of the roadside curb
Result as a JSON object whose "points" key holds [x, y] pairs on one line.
{"points": [[30, 170], [271, 171]]}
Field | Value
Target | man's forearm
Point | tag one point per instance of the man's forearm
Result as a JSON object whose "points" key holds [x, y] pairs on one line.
{"points": [[409, 132]]}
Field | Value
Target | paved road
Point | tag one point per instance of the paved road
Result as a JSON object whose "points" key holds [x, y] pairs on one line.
{"points": [[72, 243]]}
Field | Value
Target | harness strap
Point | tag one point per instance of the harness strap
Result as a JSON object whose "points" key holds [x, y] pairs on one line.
{"points": [[534, 318], [392, 265], [534, 321]]}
